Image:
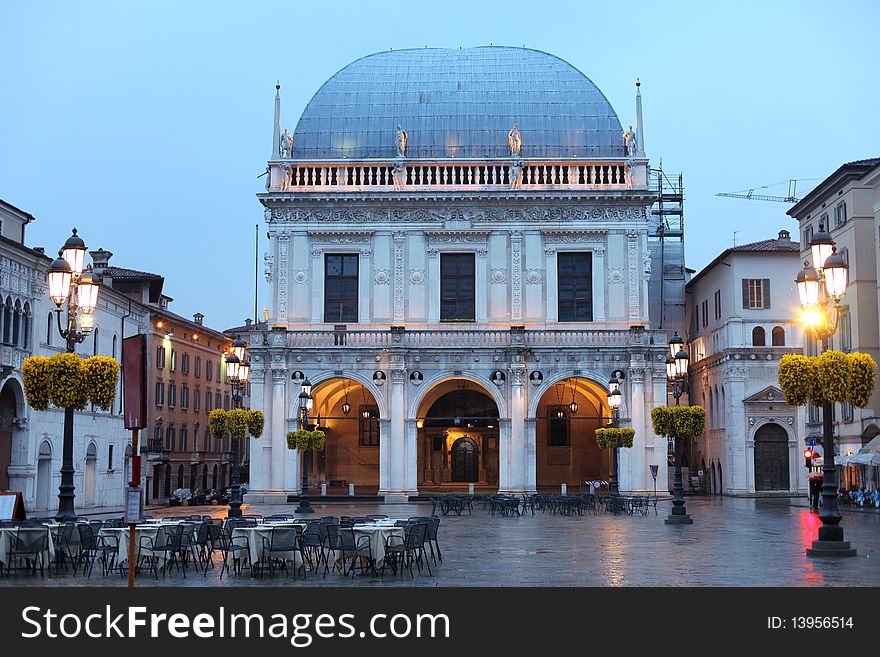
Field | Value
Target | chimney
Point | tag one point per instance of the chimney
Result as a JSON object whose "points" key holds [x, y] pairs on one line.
{"points": [[100, 259], [784, 236], [198, 317], [41, 250], [248, 321]]}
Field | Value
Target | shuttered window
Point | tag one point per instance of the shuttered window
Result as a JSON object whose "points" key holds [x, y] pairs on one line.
{"points": [[755, 293]]}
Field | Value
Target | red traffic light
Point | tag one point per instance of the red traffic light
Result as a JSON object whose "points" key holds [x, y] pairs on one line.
{"points": [[808, 453]]}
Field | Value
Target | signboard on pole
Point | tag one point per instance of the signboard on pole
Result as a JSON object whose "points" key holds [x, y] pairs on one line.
{"points": [[134, 381], [133, 505]]}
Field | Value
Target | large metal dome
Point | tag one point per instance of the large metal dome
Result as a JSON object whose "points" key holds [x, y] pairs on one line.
{"points": [[458, 103]]}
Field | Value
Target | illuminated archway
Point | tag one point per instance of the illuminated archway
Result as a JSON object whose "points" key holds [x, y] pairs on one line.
{"points": [[349, 414], [567, 415], [457, 435]]}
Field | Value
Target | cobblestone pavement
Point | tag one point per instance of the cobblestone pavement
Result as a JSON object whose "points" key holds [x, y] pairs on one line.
{"points": [[733, 542]]}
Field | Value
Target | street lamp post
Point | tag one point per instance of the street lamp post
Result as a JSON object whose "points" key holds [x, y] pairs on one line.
{"points": [[305, 406], [821, 289], [78, 289], [677, 374], [237, 374], [614, 400]]}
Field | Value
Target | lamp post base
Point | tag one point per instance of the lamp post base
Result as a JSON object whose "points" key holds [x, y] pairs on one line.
{"points": [[304, 507], [831, 549], [683, 519]]}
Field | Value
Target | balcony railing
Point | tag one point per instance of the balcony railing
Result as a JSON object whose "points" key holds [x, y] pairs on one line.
{"points": [[470, 338], [454, 174]]}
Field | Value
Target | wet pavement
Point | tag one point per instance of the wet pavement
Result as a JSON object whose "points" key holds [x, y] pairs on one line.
{"points": [[733, 542]]}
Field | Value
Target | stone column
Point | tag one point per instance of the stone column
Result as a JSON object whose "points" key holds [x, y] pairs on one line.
{"points": [[365, 284], [531, 455], [516, 296], [735, 461], [433, 283], [385, 451], [411, 457], [278, 438], [482, 296], [513, 451], [283, 238], [395, 492], [658, 455], [318, 285], [632, 461], [261, 448], [399, 277]]}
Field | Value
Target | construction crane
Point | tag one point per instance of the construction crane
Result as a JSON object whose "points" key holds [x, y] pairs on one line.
{"points": [[751, 196]]}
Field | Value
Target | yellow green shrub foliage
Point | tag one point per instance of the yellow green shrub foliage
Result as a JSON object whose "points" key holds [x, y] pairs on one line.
{"points": [[679, 421], [304, 440], [611, 437], [834, 376], [101, 374], [797, 378], [236, 422], [863, 379], [255, 423], [661, 418], [688, 421], [67, 385], [217, 422], [36, 382]]}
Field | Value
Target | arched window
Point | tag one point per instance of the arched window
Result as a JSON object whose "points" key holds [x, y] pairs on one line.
{"points": [[759, 338], [778, 336], [711, 409], [49, 328], [114, 345], [95, 342], [27, 327], [16, 324]]}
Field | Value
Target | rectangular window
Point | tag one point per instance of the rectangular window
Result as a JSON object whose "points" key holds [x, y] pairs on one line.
{"points": [[195, 440], [218, 400], [160, 393], [844, 331], [184, 397], [846, 412], [368, 427], [558, 434], [340, 288], [173, 367], [717, 304], [169, 440], [756, 293], [184, 365], [839, 214], [208, 367], [226, 401], [197, 370], [807, 237], [695, 318], [160, 357], [705, 314], [109, 457], [208, 401], [197, 400], [457, 287], [183, 439], [575, 287], [812, 414]]}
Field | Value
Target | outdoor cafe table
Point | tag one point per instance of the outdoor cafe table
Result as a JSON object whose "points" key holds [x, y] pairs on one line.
{"points": [[120, 536], [255, 536], [29, 535], [379, 534]]}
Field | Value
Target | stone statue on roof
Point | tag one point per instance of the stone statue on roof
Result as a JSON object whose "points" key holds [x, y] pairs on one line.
{"points": [[516, 174], [400, 138], [285, 146], [514, 141], [629, 140], [398, 174]]}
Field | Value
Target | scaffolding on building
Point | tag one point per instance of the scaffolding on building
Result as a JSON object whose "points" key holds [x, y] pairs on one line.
{"points": [[666, 240]]}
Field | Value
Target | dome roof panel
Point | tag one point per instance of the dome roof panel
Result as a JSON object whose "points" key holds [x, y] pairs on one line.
{"points": [[458, 103]]}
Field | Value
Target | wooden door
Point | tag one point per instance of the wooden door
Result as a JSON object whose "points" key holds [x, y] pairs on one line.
{"points": [[771, 458]]}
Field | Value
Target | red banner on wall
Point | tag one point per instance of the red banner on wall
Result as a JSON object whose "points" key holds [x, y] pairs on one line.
{"points": [[134, 381]]}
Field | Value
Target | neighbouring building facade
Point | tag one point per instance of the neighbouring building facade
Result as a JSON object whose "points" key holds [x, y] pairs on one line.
{"points": [[847, 203], [743, 317], [186, 379], [460, 256], [31, 441]]}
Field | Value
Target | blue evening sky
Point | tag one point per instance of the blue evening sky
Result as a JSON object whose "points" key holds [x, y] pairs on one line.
{"points": [[145, 124]]}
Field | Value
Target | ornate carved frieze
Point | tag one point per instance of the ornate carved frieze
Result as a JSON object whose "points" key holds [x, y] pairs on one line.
{"points": [[283, 238], [458, 218], [340, 238], [574, 237], [634, 262], [457, 237], [279, 376], [399, 256], [516, 238], [269, 262]]}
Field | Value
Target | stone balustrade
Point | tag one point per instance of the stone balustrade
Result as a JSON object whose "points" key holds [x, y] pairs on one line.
{"points": [[470, 338], [454, 175]]}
